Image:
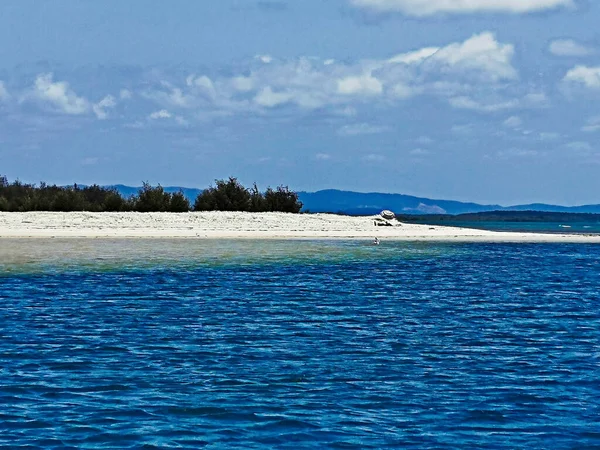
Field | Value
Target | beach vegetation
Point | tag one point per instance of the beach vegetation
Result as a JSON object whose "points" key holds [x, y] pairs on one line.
{"points": [[257, 200], [283, 200], [152, 199], [225, 195], [179, 203], [230, 195]]}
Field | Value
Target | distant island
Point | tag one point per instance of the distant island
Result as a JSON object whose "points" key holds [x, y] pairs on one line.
{"points": [[364, 204]]}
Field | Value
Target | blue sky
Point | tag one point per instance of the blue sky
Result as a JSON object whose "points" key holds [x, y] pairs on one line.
{"points": [[491, 101]]}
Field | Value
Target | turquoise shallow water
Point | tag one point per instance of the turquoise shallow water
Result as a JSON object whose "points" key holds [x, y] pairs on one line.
{"points": [[302, 344]]}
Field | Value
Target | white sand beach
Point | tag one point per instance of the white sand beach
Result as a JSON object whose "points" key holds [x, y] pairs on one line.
{"points": [[215, 225]]}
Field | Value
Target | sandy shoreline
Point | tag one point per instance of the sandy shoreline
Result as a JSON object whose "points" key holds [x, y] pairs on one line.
{"points": [[228, 225]]}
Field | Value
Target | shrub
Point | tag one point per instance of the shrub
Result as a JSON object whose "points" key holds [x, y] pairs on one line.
{"points": [[179, 203], [257, 200], [114, 202], [225, 196], [152, 199], [282, 200]]}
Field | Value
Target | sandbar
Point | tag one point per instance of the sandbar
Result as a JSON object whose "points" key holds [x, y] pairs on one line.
{"points": [[241, 225]]}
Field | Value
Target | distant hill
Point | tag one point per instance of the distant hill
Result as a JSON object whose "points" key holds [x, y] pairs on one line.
{"points": [[503, 216], [585, 209], [357, 203], [128, 191]]}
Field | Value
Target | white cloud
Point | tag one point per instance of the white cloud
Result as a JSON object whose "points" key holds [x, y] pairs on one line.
{"points": [[580, 147], [162, 114], [421, 8], [584, 75], [424, 140], [125, 94], [535, 99], [202, 84], [90, 161], [468, 103], [173, 97], [549, 136], [471, 74], [4, 95], [270, 99], [518, 153], [481, 53], [242, 84], [359, 85], [362, 128], [492, 102], [568, 47], [58, 95], [323, 156], [266, 59], [414, 57], [373, 157], [513, 122], [347, 111], [419, 152], [137, 125], [592, 125], [100, 108], [181, 121]]}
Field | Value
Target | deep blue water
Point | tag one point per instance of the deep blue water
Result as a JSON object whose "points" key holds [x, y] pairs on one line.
{"points": [[195, 344]]}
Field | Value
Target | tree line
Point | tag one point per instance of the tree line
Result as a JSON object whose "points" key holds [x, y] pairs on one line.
{"points": [[225, 195]]}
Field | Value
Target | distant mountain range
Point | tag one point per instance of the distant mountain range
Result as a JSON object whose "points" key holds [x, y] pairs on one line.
{"points": [[357, 203]]}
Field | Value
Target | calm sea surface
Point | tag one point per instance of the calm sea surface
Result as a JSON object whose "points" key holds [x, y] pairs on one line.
{"points": [[301, 344], [589, 227]]}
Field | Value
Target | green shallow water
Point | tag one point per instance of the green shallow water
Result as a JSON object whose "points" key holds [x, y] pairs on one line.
{"points": [[39, 255]]}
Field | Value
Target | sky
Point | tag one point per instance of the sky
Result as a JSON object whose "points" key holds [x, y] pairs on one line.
{"points": [[491, 101]]}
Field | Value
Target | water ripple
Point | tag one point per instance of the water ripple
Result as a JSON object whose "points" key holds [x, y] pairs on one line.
{"points": [[314, 344]]}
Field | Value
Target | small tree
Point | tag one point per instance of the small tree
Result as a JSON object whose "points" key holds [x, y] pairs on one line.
{"points": [[152, 199], [113, 202], [68, 199], [257, 200], [225, 196], [282, 200], [179, 203]]}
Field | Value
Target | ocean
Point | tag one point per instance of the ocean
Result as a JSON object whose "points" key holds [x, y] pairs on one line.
{"points": [[589, 227], [298, 344]]}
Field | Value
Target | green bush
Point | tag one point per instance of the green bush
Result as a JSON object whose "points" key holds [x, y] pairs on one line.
{"points": [[152, 199], [179, 203], [225, 196], [282, 200]]}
